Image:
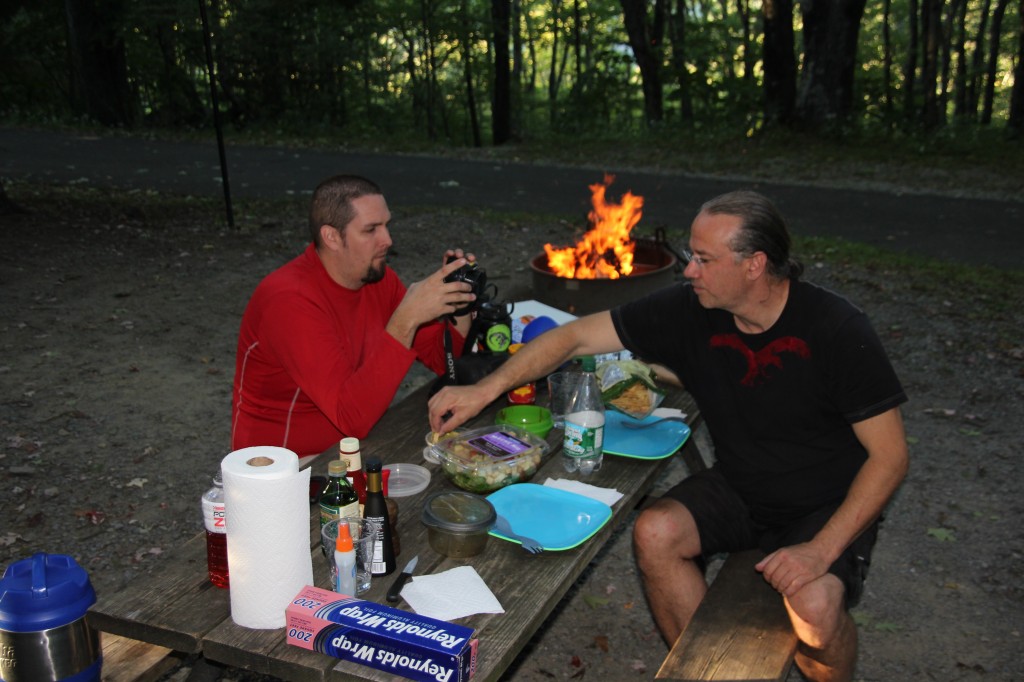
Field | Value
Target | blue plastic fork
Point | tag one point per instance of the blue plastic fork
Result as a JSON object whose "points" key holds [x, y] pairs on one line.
{"points": [[529, 544]]}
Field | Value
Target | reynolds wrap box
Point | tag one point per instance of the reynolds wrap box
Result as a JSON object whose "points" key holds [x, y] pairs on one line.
{"points": [[381, 637]]}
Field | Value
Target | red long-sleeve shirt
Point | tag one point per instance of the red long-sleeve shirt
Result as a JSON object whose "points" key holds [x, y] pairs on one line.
{"points": [[314, 361]]}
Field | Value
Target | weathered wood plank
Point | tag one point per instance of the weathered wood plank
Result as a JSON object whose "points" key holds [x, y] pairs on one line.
{"points": [[174, 608], [740, 631], [129, 660]]}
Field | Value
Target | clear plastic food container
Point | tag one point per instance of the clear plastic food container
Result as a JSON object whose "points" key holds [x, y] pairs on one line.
{"points": [[457, 523], [492, 457]]}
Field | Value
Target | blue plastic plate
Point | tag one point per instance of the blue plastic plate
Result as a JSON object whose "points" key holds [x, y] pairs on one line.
{"points": [[557, 519], [654, 442]]}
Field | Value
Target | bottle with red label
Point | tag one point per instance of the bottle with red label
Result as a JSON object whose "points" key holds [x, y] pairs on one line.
{"points": [[349, 451], [216, 533]]}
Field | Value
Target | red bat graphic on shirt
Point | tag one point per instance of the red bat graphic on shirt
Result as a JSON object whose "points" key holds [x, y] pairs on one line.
{"points": [[769, 356]]}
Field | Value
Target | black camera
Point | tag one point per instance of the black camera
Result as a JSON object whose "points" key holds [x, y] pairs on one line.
{"points": [[474, 276]]}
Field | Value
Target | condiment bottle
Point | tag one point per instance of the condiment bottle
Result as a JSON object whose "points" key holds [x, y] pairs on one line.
{"points": [[216, 533], [345, 561], [375, 513], [337, 499], [583, 440], [392, 512], [348, 450]]}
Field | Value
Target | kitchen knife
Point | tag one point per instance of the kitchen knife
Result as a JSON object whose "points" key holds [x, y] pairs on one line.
{"points": [[396, 587]]}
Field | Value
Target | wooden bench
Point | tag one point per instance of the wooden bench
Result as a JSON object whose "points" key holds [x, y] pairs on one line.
{"points": [[741, 630], [128, 660]]}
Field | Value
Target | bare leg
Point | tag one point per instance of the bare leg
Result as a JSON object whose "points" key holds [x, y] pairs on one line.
{"points": [[827, 650], [666, 543]]}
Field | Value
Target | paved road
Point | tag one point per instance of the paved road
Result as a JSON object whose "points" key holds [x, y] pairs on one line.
{"points": [[969, 230]]}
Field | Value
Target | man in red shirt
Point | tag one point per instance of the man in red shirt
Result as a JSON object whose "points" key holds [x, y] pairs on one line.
{"points": [[326, 339]]}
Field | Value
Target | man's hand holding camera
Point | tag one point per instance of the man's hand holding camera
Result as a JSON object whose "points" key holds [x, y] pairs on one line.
{"points": [[441, 293]]}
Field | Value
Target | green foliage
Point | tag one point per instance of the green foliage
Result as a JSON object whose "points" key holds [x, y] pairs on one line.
{"points": [[396, 71]]}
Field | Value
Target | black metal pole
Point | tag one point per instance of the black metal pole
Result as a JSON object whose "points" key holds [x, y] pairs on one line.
{"points": [[216, 114]]}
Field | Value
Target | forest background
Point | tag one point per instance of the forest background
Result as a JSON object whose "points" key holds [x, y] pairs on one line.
{"points": [[569, 77]]}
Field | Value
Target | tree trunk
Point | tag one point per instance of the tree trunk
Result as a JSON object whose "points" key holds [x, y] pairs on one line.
{"points": [[743, 7], [887, 60], [993, 59], [948, 30], [779, 62], [645, 54], [99, 67], [1016, 120], [910, 67], [677, 35], [977, 61], [960, 74], [930, 29], [553, 80], [501, 114], [467, 66], [429, 81], [830, 58], [577, 44], [517, 69]]}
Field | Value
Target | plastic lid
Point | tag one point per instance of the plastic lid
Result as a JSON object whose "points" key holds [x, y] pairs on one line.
{"points": [[343, 542], [348, 449], [406, 479], [337, 467], [589, 364], [537, 326], [458, 512], [43, 592]]}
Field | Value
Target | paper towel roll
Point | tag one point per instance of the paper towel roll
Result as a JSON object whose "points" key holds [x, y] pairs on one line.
{"points": [[266, 505]]}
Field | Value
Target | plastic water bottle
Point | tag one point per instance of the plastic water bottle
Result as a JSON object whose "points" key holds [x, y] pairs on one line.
{"points": [[583, 442], [216, 533]]}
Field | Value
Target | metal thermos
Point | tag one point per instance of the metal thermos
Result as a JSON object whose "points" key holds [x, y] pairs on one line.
{"points": [[44, 636]]}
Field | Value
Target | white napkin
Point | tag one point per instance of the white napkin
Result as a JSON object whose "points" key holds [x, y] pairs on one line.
{"points": [[668, 412], [452, 594], [607, 495]]}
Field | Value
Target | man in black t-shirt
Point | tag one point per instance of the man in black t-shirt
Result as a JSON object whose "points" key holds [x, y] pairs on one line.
{"points": [[803, 408]]}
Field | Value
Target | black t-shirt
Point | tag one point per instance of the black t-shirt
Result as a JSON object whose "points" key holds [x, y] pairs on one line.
{"points": [[778, 404]]}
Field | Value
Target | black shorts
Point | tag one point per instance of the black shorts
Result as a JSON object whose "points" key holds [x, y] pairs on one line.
{"points": [[725, 525]]}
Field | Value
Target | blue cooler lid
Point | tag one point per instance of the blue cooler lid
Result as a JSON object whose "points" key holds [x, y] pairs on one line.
{"points": [[46, 591]]}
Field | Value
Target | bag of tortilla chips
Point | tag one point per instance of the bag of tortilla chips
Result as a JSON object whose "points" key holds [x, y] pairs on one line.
{"points": [[629, 387]]}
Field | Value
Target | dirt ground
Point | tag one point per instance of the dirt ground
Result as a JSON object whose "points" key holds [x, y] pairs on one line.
{"points": [[118, 322]]}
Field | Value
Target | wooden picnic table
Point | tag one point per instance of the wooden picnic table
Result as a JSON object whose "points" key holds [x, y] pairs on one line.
{"points": [[178, 608]]}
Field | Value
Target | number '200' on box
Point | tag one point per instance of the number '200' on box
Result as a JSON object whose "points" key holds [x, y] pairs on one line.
{"points": [[381, 637]]}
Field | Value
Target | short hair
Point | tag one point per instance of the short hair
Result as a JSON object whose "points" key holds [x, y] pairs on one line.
{"points": [[762, 229], [332, 202]]}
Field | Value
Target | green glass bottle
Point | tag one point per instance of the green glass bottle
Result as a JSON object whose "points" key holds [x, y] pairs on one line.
{"points": [[338, 499]]}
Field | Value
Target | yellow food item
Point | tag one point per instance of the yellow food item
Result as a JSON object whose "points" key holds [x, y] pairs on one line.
{"points": [[637, 399]]}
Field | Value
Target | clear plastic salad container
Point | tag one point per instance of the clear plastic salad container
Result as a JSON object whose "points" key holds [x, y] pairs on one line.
{"points": [[492, 457]]}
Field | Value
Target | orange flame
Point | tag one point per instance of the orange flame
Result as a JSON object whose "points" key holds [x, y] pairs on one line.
{"points": [[606, 251]]}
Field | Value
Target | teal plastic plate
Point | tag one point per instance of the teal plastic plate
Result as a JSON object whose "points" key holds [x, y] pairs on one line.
{"points": [[654, 442], [557, 519]]}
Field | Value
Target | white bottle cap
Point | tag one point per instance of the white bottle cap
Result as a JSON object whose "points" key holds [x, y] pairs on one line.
{"points": [[349, 451]]}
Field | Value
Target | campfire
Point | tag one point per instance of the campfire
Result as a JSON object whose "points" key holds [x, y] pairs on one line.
{"points": [[606, 251], [607, 266]]}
